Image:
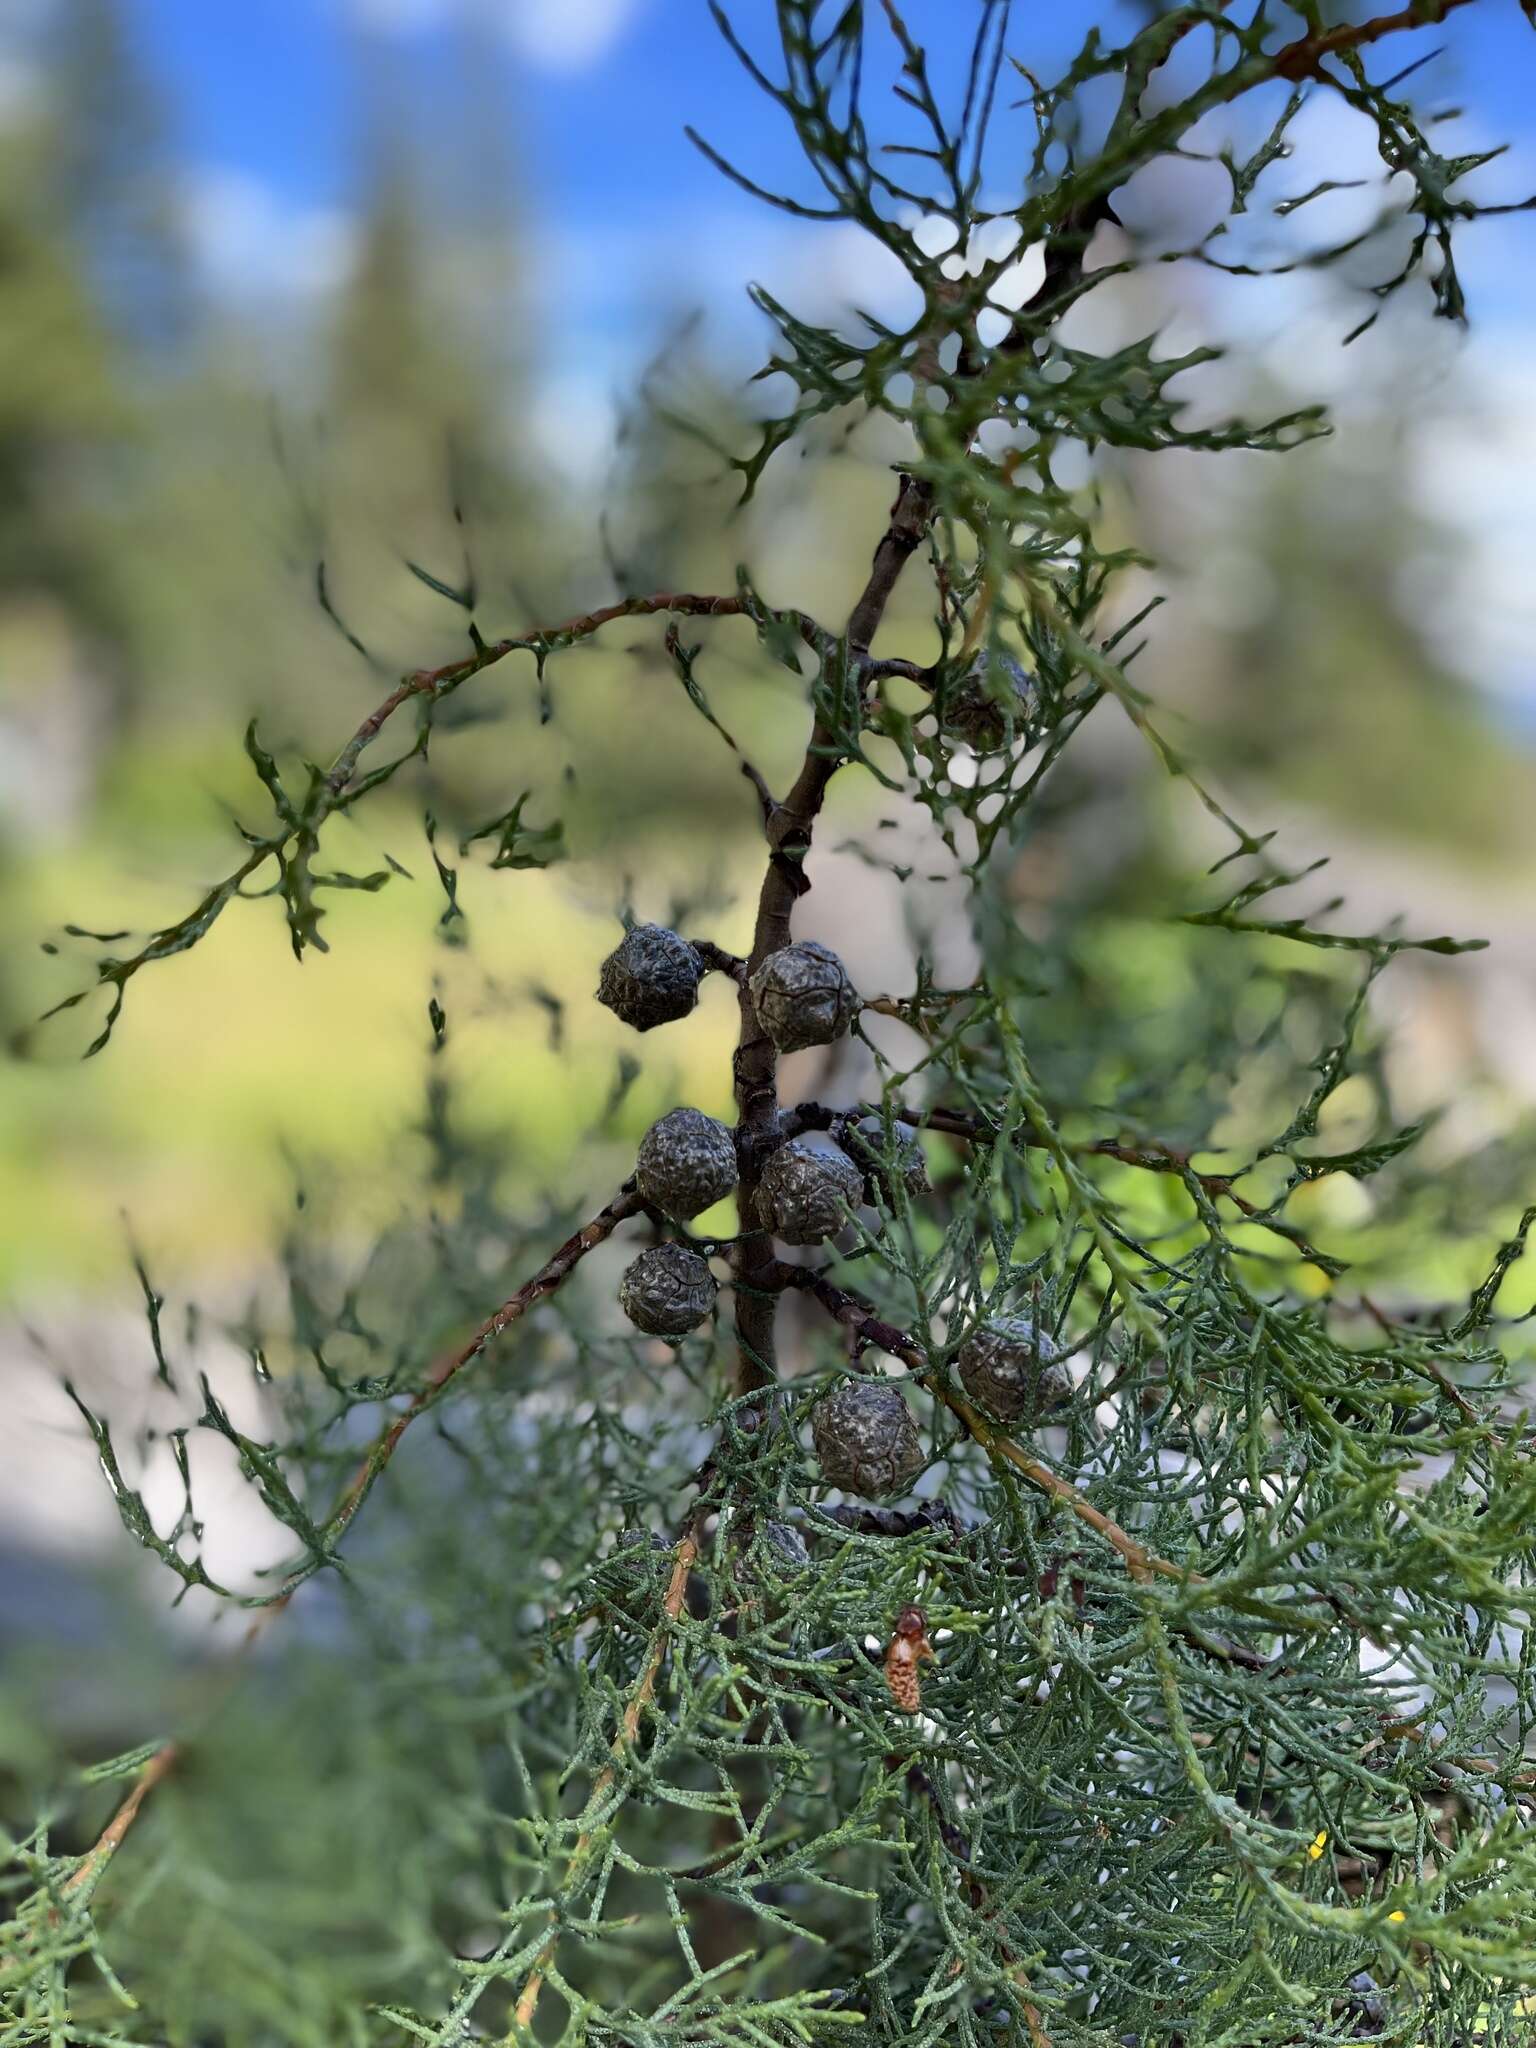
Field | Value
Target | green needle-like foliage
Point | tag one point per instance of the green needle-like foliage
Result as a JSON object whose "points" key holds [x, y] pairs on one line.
{"points": [[1226, 1738]]}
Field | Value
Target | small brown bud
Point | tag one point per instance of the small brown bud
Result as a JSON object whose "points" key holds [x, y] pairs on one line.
{"points": [[908, 1648]]}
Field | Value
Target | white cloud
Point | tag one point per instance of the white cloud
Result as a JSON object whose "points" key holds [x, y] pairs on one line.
{"points": [[605, 275], [554, 35], [567, 35], [254, 245]]}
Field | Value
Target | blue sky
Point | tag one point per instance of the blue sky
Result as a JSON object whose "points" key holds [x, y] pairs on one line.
{"points": [[598, 87], [595, 94], [621, 222]]}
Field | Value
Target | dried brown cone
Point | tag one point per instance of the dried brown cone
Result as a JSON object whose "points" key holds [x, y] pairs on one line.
{"points": [[803, 996], [686, 1162], [651, 977], [1014, 1368], [668, 1291], [806, 1191], [866, 1441]]}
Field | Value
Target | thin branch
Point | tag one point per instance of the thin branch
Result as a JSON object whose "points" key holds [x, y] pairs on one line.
{"points": [[543, 1283], [683, 1559], [717, 958], [1304, 57], [1152, 1156], [898, 544], [83, 1878], [910, 1010], [437, 682], [897, 665]]}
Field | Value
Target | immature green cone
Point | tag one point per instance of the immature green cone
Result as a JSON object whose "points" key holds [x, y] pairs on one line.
{"points": [[1014, 1368], [866, 1441], [651, 977], [686, 1162], [668, 1291], [803, 996], [806, 1191]]}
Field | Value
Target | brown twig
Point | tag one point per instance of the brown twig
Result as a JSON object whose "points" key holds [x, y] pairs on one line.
{"points": [[1427, 1366], [1152, 1156], [436, 682], [721, 961], [1304, 57], [107, 1843], [683, 1558], [1142, 1564], [918, 672], [910, 1010], [549, 1276]]}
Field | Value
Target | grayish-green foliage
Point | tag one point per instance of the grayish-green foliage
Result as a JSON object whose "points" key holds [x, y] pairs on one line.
{"points": [[1228, 1737]]}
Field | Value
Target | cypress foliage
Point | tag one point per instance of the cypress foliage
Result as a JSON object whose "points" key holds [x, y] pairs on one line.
{"points": [[1189, 1702]]}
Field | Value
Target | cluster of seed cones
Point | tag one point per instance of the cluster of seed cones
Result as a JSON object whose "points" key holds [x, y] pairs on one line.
{"points": [[806, 1191]]}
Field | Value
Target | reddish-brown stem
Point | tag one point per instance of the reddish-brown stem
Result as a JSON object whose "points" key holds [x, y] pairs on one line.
{"points": [[110, 1839], [549, 1276], [1152, 1157], [435, 682], [1304, 57]]}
